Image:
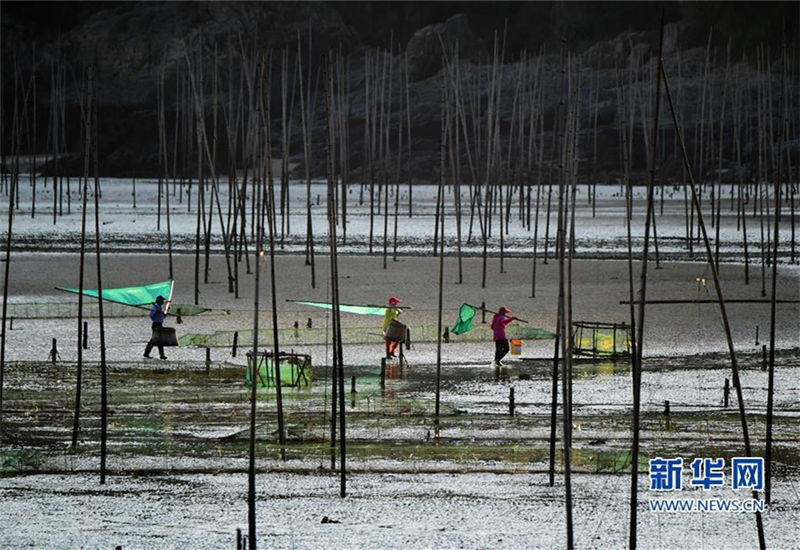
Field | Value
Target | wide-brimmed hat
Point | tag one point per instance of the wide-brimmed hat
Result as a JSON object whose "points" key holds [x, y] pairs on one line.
{"points": [[393, 301], [503, 309]]}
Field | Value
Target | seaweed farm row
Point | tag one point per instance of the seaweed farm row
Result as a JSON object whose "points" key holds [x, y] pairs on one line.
{"points": [[193, 417]]}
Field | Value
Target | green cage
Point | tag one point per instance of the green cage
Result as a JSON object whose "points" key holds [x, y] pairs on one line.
{"points": [[601, 340], [295, 369]]}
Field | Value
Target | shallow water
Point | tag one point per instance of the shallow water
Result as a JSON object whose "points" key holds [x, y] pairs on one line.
{"points": [[477, 477]]}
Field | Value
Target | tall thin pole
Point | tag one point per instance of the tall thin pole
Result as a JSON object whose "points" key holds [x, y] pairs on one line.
{"points": [[271, 223], [554, 403], [565, 343], [539, 163], [636, 364], [198, 132], [251, 472], [162, 119], [6, 270], [35, 144], [408, 130], [338, 355], [723, 311], [385, 161], [103, 366], [330, 162], [441, 254], [81, 267], [307, 159], [771, 373]]}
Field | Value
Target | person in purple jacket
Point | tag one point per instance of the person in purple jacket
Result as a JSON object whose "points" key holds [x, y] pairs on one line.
{"points": [[499, 322], [157, 316]]}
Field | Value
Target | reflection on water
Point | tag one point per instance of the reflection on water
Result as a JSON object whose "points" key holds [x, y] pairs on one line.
{"points": [[603, 370]]}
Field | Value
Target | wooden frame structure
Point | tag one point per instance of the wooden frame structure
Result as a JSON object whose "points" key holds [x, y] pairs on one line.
{"points": [[299, 366], [601, 340]]}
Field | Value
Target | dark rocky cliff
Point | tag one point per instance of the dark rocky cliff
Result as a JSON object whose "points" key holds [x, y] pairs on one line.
{"points": [[129, 44]]}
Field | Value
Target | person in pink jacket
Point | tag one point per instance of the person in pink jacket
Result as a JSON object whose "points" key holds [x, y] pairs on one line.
{"points": [[499, 322]]}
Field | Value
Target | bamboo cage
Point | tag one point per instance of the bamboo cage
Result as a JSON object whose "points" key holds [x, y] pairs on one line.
{"points": [[601, 340], [295, 369]]}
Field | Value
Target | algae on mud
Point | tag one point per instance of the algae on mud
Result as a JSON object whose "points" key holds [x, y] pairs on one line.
{"points": [[191, 417]]}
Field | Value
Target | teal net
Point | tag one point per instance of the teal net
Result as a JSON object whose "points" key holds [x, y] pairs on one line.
{"points": [[136, 296]]}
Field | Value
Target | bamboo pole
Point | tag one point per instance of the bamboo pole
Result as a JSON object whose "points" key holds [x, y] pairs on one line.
{"points": [[209, 149], [331, 209], [343, 73], [34, 125], [539, 172], [526, 110], [200, 94], [571, 164], [556, 122], [408, 131], [453, 140], [491, 128], [636, 365], [7, 265], [101, 313], [439, 317], [396, 177], [176, 134], [441, 252], [271, 224], [762, 190], [373, 140], [700, 137], [305, 121], [251, 472], [741, 186], [560, 310], [54, 129], [339, 367], [723, 311], [459, 119], [284, 141], [198, 137], [635, 371], [593, 197], [562, 306], [773, 299], [721, 142], [163, 149], [81, 265], [63, 138], [386, 132], [790, 185], [3, 118], [385, 162], [554, 402]]}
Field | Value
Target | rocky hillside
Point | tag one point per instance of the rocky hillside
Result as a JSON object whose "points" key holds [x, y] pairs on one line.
{"points": [[610, 48]]}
